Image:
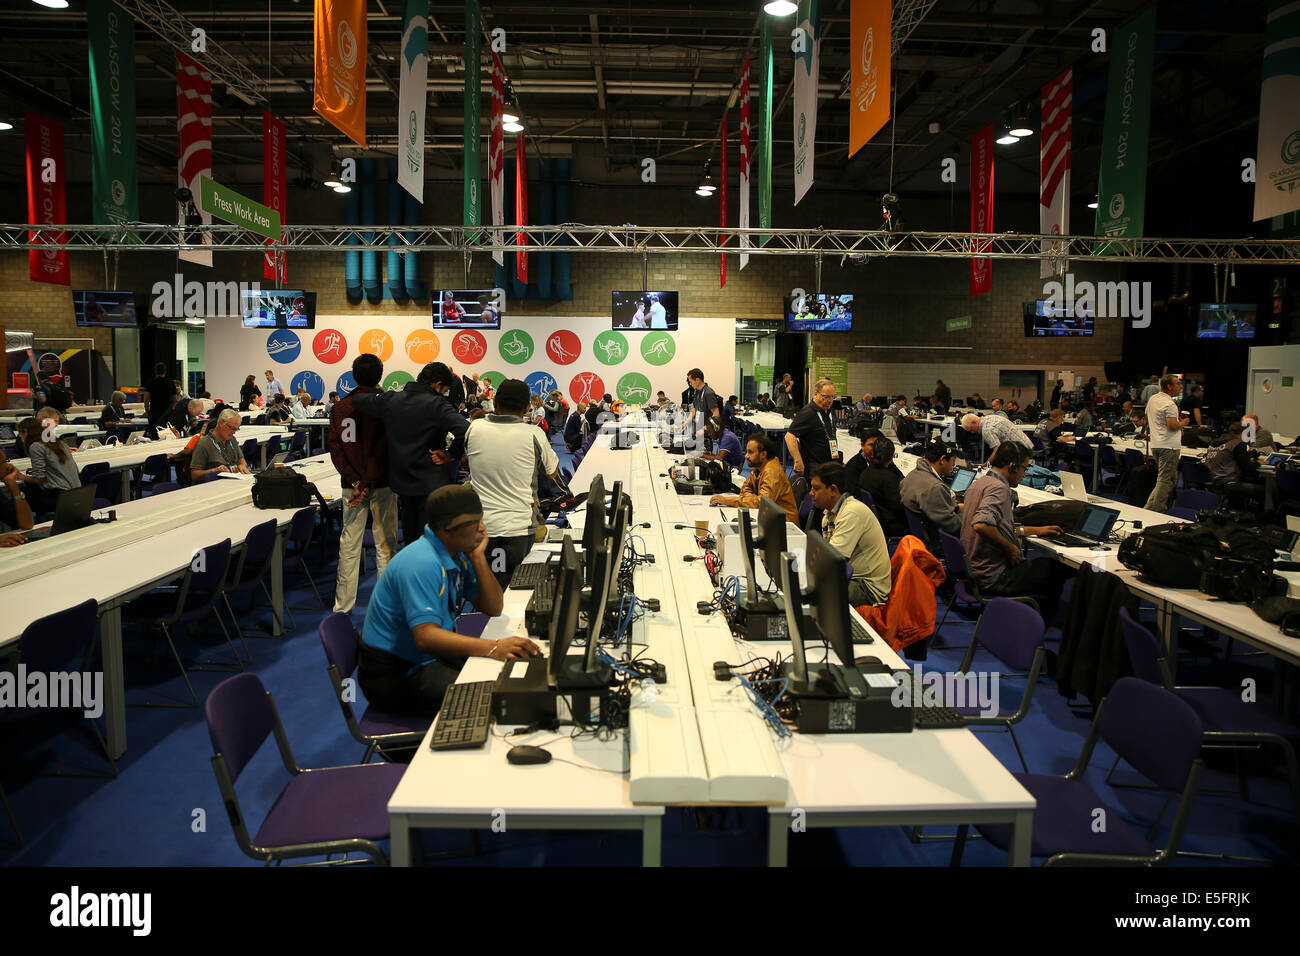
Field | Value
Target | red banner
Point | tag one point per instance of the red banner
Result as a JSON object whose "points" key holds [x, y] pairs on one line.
{"points": [[274, 192], [743, 220], [722, 209], [46, 197], [497, 155], [521, 206], [981, 208], [194, 143]]}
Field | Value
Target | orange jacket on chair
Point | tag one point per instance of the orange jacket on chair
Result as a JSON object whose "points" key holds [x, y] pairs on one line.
{"points": [[908, 615]]}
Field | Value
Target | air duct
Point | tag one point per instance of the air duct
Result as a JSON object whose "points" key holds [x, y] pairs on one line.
{"points": [[561, 286], [352, 259], [370, 279], [396, 284], [415, 289]]}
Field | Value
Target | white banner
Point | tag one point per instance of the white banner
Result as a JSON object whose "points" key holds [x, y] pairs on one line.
{"points": [[806, 74], [1277, 172], [412, 97], [744, 163], [1054, 169]]}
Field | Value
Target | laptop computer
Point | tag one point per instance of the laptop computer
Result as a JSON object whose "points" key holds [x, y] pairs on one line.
{"points": [[1075, 488], [71, 512], [961, 480], [277, 460], [1092, 529]]}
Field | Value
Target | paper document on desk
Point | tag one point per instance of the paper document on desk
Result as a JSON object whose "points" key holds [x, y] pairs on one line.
{"points": [[235, 474]]}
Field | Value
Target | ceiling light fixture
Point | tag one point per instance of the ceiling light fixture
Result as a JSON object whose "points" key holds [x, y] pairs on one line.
{"points": [[706, 186], [333, 180], [52, 4], [781, 8], [509, 118], [5, 126], [1018, 124], [1006, 139], [1021, 128], [1093, 204], [515, 127], [343, 188]]}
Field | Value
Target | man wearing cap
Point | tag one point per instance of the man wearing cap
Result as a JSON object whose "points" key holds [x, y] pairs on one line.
{"points": [[410, 652], [425, 432], [925, 491]]}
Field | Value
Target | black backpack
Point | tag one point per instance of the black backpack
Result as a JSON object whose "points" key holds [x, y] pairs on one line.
{"points": [[283, 487]]}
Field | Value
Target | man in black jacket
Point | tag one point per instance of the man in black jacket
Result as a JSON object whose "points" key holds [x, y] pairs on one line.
{"points": [[425, 432], [882, 481]]}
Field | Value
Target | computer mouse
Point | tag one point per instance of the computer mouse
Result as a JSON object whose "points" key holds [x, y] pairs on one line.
{"points": [[524, 754]]}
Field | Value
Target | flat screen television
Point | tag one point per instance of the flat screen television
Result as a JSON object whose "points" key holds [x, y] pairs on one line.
{"points": [[643, 311], [1048, 318], [819, 312], [105, 310], [278, 308], [1228, 321], [468, 308]]}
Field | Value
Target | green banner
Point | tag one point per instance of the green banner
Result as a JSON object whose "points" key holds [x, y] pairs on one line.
{"points": [[837, 370], [1122, 180], [765, 129], [224, 203], [473, 52], [764, 373], [1285, 227], [957, 324], [112, 113]]}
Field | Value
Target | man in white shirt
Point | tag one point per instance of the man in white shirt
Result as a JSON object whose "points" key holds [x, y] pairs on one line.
{"points": [[658, 314], [300, 402], [995, 429], [505, 454], [1165, 425]]}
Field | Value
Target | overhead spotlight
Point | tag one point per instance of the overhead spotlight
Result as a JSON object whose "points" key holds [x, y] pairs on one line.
{"points": [[514, 127], [706, 186], [1093, 204], [1021, 128], [334, 180], [509, 118], [781, 8], [184, 195], [5, 126], [934, 129], [342, 188], [1018, 121], [1006, 139], [52, 4]]}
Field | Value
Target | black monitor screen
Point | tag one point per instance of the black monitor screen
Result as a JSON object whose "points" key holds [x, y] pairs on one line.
{"points": [[1046, 317], [1226, 322], [643, 311], [593, 528], [819, 312], [830, 598], [771, 529], [112, 310], [278, 308], [468, 308], [564, 609]]}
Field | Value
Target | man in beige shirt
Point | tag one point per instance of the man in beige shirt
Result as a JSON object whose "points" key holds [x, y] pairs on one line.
{"points": [[766, 480], [851, 529]]}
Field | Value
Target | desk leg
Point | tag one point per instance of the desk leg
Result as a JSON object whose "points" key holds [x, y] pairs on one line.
{"points": [[1096, 467], [777, 829], [126, 485], [1167, 627], [262, 447], [1022, 832], [277, 586], [651, 840], [110, 643], [399, 829]]}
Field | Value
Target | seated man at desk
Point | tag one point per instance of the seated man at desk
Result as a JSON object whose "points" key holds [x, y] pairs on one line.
{"points": [[925, 491], [766, 480], [851, 529], [1235, 471], [992, 538], [113, 412], [218, 450], [725, 445], [883, 482], [279, 413], [410, 652], [15, 513]]}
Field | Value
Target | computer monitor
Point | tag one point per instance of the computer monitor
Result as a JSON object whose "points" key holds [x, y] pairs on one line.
{"points": [[564, 610], [828, 603], [615, 498], [771, 529], [582, 671], [594, 526], [747, 555], [961, 479]]}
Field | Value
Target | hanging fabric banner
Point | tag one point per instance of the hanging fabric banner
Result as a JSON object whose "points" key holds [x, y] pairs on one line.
{"points": [[722, 211], [340, 52], [274, 192], [521, 207], [744, 162], [47, 203], [112, 113], [807, 46], [1277, 171], [765, 132], [497, 155], [870, 39], [1122, 179], [981, 208], [473, 140], [1054, 169], [194, 143], [412, 96]]}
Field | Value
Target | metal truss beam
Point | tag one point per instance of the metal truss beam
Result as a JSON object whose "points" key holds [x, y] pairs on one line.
{"points": [[656, 240]]}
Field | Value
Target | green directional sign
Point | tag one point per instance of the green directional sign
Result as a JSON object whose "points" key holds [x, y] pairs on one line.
{"points": [[764, 373], [225, 203], [957, 324], [837, 370]]}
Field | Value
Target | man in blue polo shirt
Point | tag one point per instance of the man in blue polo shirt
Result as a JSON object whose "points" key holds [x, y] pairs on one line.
{"points": [[726, 446], [410, 652]]}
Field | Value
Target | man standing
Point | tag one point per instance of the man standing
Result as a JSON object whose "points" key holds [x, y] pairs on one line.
{"points": [[925, 491], [942, 396], [1152, 389], [1192, 405], [1055, 401], [783, 392], [658, 314], [704, 406], [996, 429], [505, 454], [811, 436], [184, 417], [358, 447], [410, 652], [766, 480], [573, 427], [158, 396], [274, 386], [424, 433], [1165, 426], [851, 529]]}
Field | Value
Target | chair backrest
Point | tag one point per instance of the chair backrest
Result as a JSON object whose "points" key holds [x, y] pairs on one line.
{"points": [[1188, 514], [162, 487], [1196, 500], [155, 466], [805, 507], [1153, 729], [1011, 631], [1133, 458], [915, 524], [239, 716], [50, 642], [865, 497], [210, 572], [92, 471], [340, 640], [260, 419], [300, 527], [109, 487], [249, 449], [954, 555], [259, 543], [299, 440], [1143, 649], [1196, 472]]}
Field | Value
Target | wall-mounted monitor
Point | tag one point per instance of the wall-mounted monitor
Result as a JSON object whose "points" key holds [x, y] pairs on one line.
{"points": [[1228, 321], [819, 312], [643, 311], [278, 308], [468, 308], [1046, 317], [105, 310]]}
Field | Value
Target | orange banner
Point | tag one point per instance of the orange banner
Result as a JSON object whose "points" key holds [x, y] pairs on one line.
{"points": [[869, 48], [340, 95]]}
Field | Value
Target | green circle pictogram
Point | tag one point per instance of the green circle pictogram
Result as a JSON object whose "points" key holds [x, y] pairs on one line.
{"points": [[516, 347], [658, 348], [396, 381], [634, 388], [496, 378], [610, 347]]}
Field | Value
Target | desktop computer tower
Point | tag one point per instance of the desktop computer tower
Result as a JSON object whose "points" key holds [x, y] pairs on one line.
{"points": [[824, 709]]}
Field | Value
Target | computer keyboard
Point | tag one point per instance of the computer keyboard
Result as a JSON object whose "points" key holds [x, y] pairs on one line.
{"points": [[464, 717], [936, 718], [1074, 541], [529, 575], [860, 633]]}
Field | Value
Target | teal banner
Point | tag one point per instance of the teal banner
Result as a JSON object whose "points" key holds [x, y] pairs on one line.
{"points": [[112, 114], [473, 51], [765, 129], [1122, 180]]}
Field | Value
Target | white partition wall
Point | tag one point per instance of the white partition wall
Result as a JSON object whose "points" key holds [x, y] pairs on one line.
{"points": [[1271, 390]]}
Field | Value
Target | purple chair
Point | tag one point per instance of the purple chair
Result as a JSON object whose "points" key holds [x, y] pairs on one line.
{"points": [[1288, 490], [301, 526], [1196, 474], [93, 471], [1196, 500], [319, 812], [381, 732], [805, 508], [249, 573], [162, 487], [155, 469], [1187, 514], [1160, 736]]}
